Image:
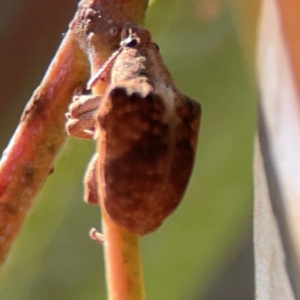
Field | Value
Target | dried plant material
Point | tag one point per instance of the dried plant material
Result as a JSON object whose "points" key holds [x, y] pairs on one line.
{"points": [[279, 131], [271, 272]]}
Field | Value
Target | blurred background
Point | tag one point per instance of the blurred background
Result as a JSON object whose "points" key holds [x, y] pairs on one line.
{"points": [[204, 250]]}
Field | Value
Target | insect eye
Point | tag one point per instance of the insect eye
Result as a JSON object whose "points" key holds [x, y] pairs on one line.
{"points": [[132, 43], [113, 30]]}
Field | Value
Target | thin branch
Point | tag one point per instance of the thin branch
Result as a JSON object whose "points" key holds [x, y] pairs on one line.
{"points": [[124, 274], [28, 160]]}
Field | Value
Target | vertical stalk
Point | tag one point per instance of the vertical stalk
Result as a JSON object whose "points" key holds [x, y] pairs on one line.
{"points": [[124, 275]]}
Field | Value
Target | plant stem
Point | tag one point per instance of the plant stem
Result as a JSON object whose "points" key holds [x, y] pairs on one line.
{"points": [[124, 275], [28, 159]]}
